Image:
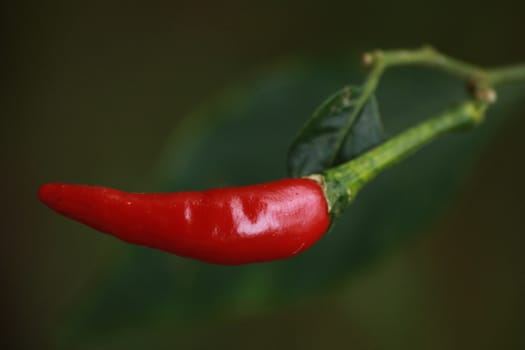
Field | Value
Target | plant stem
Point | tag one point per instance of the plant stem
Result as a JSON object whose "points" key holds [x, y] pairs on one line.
{"points": [[344, 181], [356, 173], [507, 74], [381, 60], [428, 56]]}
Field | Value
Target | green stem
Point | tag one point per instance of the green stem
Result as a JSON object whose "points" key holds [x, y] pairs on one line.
{"points": [[428, 56], [381, 60], [343, 182], [507, 74], [353, 175]]}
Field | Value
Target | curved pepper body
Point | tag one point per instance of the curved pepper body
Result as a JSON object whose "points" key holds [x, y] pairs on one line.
{"points": [[230, 226]]}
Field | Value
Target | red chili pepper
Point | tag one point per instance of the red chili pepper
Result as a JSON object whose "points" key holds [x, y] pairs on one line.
{"points": [[230, 226]]}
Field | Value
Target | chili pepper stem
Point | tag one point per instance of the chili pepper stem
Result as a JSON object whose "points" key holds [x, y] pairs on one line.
{"points": [[343, 182]]}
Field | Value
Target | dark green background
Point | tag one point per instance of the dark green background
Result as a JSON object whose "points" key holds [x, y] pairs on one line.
{"points": [[93, 90]]}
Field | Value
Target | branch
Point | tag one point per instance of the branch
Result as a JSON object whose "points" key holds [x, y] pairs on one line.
{"points": [[354, 174], [344, 181]]}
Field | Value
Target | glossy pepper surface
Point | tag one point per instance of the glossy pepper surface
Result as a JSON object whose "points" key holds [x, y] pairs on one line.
{"points": [[236, 225]]}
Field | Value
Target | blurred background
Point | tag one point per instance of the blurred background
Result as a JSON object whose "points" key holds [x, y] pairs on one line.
{"points": [[430, 257]]}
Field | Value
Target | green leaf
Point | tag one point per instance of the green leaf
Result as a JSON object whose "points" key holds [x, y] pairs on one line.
{"points": [[151, 297], [341, 128]]}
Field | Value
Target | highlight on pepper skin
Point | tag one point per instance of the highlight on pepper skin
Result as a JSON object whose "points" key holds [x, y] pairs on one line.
{"points": [[229, 226]]}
